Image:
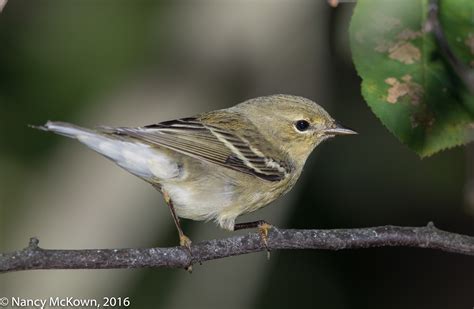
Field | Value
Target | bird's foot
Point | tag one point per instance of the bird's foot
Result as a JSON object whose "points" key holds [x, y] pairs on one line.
{"points": [[184, 241], [263, 229]]}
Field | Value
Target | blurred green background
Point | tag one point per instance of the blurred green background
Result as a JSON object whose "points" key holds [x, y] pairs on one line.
{"points": [[139, 62]]}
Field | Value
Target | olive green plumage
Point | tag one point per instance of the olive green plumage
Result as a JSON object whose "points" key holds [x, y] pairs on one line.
{"points": [[220, 164]]}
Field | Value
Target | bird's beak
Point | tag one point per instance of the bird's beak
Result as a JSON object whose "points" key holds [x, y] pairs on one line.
{"points": [[337, 129]]}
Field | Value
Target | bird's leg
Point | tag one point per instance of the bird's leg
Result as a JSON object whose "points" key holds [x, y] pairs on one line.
{"points": [[263, 228], [183, 239]]}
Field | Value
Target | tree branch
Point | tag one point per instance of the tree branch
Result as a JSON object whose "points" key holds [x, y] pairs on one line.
{"points": [[34, 257], [2, 4], [433, 25]]}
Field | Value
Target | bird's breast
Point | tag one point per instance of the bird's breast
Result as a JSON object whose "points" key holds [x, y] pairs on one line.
{"points": [[221, 195]]}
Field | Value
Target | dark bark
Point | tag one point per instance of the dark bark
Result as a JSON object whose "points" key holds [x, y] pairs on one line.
{"points": [[34, 257]]}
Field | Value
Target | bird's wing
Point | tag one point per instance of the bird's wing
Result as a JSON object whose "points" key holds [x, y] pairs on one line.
{"points": [[212, 143]]}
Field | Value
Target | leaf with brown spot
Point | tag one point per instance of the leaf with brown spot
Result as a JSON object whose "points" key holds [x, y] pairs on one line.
{"points": [[404, 88], [408, 34], [405, 81], [405, 52]]}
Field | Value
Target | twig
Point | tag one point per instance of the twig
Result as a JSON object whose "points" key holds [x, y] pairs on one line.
{"points": [[2, 4], [433, 25], [335, 3], [34, 257]]}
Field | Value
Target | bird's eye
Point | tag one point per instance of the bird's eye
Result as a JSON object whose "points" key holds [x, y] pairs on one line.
{"points": [[302, 125]]}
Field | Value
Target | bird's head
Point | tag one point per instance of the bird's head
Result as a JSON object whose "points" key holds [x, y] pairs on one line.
{"points": [[294, 124]]}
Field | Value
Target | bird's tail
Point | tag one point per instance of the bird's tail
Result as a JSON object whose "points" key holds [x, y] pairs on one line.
{"points": [[130, 155], [64, 128]]}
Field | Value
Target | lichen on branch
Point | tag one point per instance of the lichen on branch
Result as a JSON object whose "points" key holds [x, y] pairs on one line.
{"points": [[34, 257]]}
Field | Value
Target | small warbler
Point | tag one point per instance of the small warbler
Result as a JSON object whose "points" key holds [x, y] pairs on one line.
{"points": [[220, 164]]}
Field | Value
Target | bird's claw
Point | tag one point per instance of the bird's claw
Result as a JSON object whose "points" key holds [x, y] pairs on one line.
{"points": [[263, 229], [184, 241]]}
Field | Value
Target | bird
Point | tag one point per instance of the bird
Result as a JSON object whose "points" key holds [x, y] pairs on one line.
{"points": [[220, 164]]}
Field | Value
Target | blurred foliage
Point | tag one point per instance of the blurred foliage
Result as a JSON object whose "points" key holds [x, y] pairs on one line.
{"points": [[405, 80], [56, 59], [61, 55]]}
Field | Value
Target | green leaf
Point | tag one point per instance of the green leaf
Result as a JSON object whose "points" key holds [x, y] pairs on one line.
{"points": [[405, 80]]}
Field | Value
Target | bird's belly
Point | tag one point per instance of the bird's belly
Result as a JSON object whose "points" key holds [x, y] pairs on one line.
{"points": [[200, 201], [219, 199]]}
